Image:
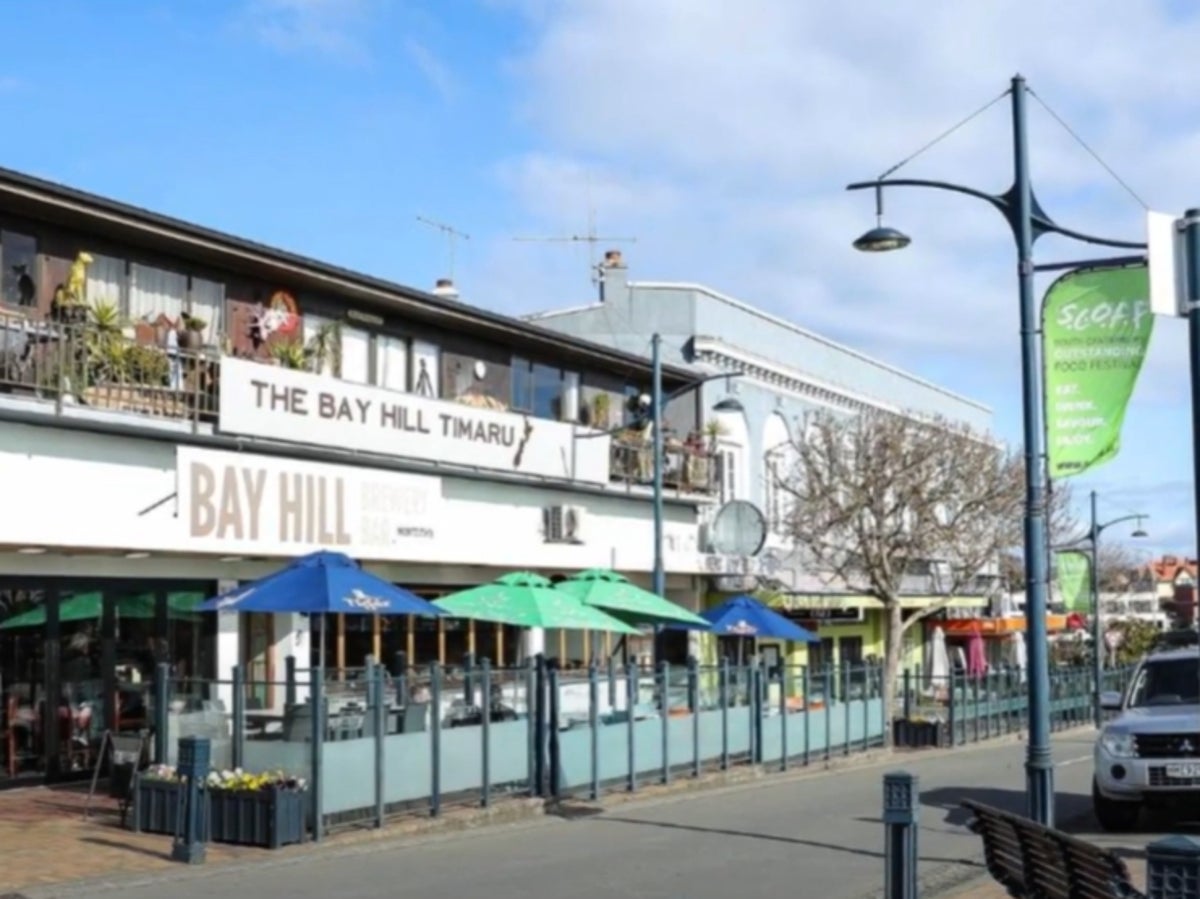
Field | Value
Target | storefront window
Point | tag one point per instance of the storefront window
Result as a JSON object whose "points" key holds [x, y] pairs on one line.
{"points": [[18, 269]]}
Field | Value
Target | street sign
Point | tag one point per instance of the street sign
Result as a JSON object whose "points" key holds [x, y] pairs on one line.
{"points": [[1168, 269]]}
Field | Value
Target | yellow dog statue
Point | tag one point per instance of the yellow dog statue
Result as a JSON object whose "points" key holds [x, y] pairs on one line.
{"points": [[77, 276]]}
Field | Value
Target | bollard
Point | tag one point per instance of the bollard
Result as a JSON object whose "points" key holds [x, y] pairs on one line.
{"points": [[1173, 868], [900, 813], [195, 754]]}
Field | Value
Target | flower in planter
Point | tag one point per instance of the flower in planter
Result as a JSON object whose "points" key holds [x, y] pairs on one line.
{"points": [[161, 772], [243, 781]]}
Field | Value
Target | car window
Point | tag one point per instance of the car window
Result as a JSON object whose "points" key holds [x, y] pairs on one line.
{"points": [[1167, 682]]}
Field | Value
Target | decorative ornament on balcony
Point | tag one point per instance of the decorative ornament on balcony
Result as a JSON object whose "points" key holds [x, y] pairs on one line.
{"points": [[279, 315]]}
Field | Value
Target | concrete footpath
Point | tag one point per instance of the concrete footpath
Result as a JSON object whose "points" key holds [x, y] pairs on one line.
{"points": [[814, 834]]}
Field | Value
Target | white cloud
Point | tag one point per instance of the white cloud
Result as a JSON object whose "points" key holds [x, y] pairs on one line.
{"points": [[722, 136], [431, 68], [329, 28]]}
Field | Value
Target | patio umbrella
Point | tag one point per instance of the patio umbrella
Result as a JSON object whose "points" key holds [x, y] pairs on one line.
{"points": [[976, 654], [89, 606], [614, 594], [321, 583], [525, 599], [745, 616], [939, 660]]}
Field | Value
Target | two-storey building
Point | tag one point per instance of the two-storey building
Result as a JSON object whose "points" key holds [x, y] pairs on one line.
{"points": [[784, 372], [181, 410]]}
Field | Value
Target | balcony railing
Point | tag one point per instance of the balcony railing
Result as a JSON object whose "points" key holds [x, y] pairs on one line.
{"points": [[686, 468], [86, 362]]}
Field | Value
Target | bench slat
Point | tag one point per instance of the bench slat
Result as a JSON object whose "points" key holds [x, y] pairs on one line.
{"points": [[1036, 862]]}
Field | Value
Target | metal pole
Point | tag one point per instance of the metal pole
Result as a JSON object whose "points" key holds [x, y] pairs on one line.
{"points": [[1097, 653], [1191, 221], [901, 814], [1039, 763], [659, 582]]}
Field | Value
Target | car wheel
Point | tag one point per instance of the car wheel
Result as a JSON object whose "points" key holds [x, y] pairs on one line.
{"points": [[1113, 814]]}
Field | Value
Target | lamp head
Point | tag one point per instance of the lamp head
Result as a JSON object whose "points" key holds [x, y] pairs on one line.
{"points": [[882, 239], [1139, 531], [729, 404]]}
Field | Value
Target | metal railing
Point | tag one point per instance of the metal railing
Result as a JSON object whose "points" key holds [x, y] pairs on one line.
{"points": [[686, 469]]}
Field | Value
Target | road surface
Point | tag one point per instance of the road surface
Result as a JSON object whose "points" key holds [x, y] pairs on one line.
{"points": [[817, 835]]}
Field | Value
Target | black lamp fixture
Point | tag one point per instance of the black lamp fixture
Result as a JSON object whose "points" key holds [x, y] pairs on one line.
{"points": [[881, 238], [729, 404], [1139, 531]]}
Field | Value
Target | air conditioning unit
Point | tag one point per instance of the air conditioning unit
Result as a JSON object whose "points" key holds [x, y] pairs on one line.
{"points": [[563, 524]]}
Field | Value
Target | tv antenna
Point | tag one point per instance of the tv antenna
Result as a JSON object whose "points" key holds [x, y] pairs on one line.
{"points": [[589, 237], [451, 234]]}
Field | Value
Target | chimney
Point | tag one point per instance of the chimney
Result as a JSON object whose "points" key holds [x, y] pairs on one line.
{"points": [[613, 276], [445, 289]]}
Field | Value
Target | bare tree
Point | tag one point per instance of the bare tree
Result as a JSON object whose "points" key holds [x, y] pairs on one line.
{"points": [[886, 505]]}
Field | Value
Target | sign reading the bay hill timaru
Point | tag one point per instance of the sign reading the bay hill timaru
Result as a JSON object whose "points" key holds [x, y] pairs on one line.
{"points": [[283, 404]]}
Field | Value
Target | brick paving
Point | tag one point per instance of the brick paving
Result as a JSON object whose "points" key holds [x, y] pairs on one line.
{"points": [[46, 840]]}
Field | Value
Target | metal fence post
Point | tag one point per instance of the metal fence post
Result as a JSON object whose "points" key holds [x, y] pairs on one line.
{"points": [[723, 681], [693, 675], [316, 779], [435, 739], [162, 703], [951, 709], [485, 709], [400, 675], [664, 702], [239, 716], [804, 692], [612, 684], [1173, 868], [631, 674], [594, 726], [846, 706], [537, 714], [900, 813], [468, 679], [555, 766], [907, 693], [379, 719], [289, 689], [783, 717]]}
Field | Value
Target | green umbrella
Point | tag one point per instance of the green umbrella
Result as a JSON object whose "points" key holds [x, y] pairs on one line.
{"points": [[614, 594], [88, 606], [528, 600]]}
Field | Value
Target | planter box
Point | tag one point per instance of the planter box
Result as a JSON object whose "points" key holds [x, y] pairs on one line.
{"points": [[270, 818], [156, 807], [919, 734]]}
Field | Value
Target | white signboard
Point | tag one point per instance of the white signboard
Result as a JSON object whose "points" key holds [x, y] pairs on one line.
{"points": [[244, 503], [1168, 273], [259, 400]]}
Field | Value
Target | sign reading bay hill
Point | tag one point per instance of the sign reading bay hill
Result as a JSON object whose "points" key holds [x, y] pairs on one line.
{"points": [[240, 502], [1096, 326], [283, 404]]}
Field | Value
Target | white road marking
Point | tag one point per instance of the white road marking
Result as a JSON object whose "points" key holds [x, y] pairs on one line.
{"points": [[1075, 761]]}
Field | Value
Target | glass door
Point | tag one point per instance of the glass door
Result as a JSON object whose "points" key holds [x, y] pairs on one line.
{"points": [[23, 666]]}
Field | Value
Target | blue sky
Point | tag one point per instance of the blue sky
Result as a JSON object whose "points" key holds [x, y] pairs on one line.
{"points": [[718, 134]]}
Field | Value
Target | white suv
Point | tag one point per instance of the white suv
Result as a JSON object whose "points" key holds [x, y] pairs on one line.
{"points": [[1150, 753]]}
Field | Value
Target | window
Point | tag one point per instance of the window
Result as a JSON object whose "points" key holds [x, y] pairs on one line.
{"points": [[627, 414], [426, 364], [154, 292], [106, 281], [207, 302], [727, 473], [522, 385], [315, 328], [391, 363], [18, 256], [772, 491], [544, 390], [356, 355]]}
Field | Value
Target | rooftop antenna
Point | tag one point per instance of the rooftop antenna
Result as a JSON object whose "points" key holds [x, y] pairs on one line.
{"points": [[589, 237], [452, 234]]}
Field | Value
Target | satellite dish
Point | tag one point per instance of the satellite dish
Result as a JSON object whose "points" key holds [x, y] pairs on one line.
{"points": [[739, 529]]}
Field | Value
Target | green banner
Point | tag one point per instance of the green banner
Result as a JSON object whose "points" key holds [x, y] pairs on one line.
{"points": [[1096, 327], [1075, 580]]}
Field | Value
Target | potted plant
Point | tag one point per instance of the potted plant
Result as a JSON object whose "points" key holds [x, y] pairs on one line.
{"points": [[269, 809], [601, 404], [191, 335], [157, 794], [289, 354]]}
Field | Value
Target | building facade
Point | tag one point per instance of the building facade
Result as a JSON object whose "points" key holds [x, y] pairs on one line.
{"points": [[784, 373], [181, 410]]}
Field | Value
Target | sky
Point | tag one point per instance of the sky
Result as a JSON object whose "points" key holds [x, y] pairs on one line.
{"points": [[718, 134]]}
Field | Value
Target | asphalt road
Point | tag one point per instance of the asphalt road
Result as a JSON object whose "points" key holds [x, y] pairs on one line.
{"points": [[815, 835]]}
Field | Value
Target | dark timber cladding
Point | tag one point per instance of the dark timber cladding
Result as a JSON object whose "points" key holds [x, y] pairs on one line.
{"points": [[44, 200]]}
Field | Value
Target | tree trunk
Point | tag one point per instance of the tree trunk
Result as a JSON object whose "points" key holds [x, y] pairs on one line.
{"points": [[893, 645]]}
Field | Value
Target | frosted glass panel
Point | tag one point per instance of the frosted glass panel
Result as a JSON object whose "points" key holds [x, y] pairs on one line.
{"points": [[154, 292], [391, 363], [356, 355], [105, 279], [208, 303]]}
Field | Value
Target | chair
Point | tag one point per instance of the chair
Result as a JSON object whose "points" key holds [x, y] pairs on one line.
{"points": [[298, 723]]}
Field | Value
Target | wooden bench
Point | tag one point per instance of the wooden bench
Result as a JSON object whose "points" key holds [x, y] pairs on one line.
{"points": [[1036, 862]]}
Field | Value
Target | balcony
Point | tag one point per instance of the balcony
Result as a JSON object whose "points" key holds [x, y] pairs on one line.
{"points": [[687, 467], [89, 361]]}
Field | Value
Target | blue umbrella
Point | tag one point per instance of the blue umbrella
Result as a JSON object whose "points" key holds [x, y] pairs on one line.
{"points": [[745, 616], [321, 583]]}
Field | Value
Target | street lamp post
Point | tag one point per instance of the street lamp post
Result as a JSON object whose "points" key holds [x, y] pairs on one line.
{"points": [[1093, 538], [1028, 222]]}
